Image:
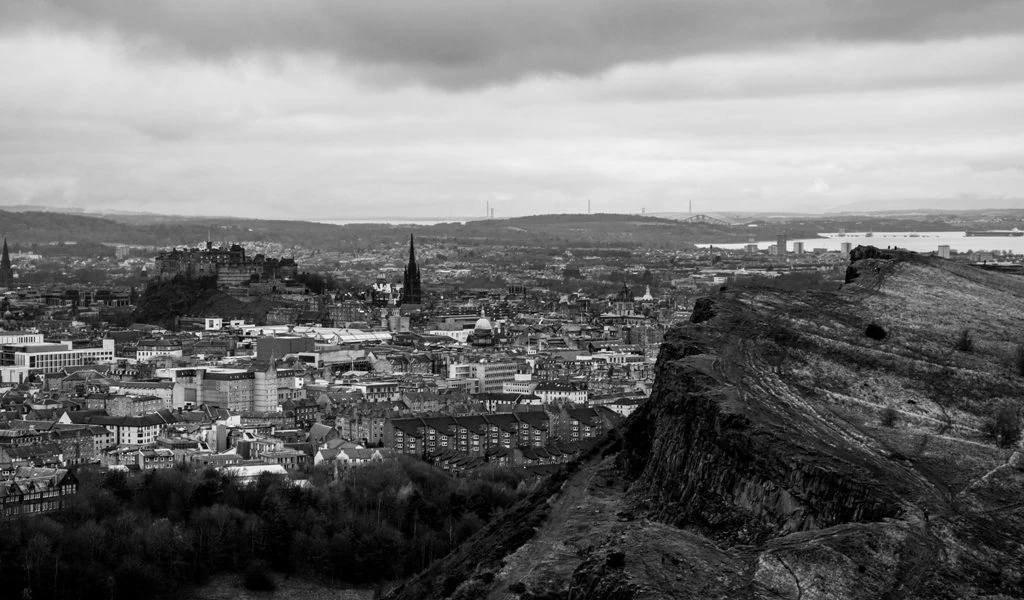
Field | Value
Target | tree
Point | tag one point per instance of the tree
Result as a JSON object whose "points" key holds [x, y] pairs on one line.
{"points": [[257, 578], [317, 283], [965, 343], [1004, 426], [889, 416], [875, 331]]}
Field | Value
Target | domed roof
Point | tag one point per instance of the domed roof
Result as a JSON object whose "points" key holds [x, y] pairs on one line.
{"points": [[483, 324]]}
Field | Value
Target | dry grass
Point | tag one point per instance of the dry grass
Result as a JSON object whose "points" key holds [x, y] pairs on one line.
{"points": [[229, 587]]}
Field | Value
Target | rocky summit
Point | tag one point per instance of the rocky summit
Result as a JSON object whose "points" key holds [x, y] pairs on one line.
{"points": [[862, 443]]}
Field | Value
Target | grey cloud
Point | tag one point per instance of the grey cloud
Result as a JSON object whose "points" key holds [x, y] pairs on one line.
{"points": [[469, 43]]}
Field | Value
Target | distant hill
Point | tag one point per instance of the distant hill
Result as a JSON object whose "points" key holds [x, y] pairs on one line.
{"points": [[570, 218], [159, 230], [30, 227], [553, 230]]}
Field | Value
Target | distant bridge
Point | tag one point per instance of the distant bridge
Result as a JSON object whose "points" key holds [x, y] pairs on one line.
{"points": [[706, 220]]}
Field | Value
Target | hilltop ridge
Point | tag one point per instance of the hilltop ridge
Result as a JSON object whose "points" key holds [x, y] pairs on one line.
{"points": [[785, 453]]}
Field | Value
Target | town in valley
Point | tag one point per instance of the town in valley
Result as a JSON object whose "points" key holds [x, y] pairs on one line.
{"points": [[462, 355]]}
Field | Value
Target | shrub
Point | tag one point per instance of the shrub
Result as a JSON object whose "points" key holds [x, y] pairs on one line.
{"points": [[473, 589], [616, 560], [517, 588], [889, 417], [1004, 426], [257, 577], [875, 331], [945, 420], [965, 343], [1019, 359]]}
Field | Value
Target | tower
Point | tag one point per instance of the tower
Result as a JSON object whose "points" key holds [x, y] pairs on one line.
{"points": [[780, 246], [412, 292], [6, 273]]}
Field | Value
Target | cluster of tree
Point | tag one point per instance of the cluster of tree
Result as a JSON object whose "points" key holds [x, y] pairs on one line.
{"points": [[317, 283], [792, 282], [163, 301], [156, 534]]}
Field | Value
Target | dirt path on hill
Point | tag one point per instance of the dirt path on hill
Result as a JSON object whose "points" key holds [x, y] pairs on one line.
{"points": [[580, 516]]}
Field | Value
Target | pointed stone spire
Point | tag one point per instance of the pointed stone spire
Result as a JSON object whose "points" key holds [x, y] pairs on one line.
{"points": [[6, 272], [412, 292]]}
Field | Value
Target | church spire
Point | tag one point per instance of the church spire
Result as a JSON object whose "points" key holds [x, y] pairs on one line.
{"points": [[6, 272], [412, 293]]}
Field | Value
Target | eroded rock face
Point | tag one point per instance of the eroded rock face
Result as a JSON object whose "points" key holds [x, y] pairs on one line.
{"points": [[869, 258], [713, 464]]}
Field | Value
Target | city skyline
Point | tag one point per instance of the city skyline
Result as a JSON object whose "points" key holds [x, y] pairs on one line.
{"points": [[313, 110]]}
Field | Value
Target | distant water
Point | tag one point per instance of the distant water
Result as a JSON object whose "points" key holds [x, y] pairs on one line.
{"points": [[918, 241]]}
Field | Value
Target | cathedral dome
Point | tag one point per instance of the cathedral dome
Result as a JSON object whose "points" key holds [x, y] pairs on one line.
{"points": [[482, 324]]}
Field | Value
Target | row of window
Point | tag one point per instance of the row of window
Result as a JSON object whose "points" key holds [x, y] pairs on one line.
{"points": [[34, 507]]}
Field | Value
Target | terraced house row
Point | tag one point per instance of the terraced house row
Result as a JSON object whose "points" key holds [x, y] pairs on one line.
{"points": [[476, 435]]}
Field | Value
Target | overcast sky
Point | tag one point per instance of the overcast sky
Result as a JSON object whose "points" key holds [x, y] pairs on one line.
{"points": [[431, 108]]}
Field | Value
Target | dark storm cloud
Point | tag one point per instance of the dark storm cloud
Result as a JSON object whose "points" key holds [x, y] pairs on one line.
{"points": [[466, 43]]}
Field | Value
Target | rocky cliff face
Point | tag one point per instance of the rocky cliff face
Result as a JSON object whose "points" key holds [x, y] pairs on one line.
{"points": [[786, 454]]}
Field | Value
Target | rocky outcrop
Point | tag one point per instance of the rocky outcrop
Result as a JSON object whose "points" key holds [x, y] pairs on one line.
{"points": [[703, 310], [709, 462]]}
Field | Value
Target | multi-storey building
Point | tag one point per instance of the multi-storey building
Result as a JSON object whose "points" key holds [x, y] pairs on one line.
{"points": [[491, 376], [53, 358], [522, 384], [406, 436], [576, 424], [34, 490], [121, 405], [439, 433], [20, 337], [471, 435], [534, 428], [502, 431], [476, 435], [228, 388], [128, 431], [562, 392], [150, 348], [377, 391], [257, 389], [364, 423]]}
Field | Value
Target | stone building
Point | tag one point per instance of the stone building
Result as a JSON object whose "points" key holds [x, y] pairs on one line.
{"points": [[230, 266]]}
